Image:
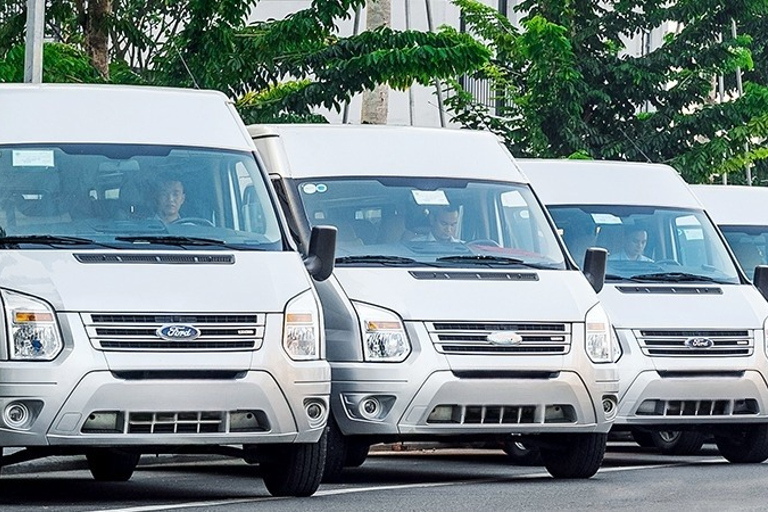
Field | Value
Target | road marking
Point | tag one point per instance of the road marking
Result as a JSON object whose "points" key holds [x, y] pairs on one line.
{"points": [[354, 490]]}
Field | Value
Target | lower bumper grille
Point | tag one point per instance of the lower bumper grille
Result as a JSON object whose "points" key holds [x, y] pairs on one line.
{"points": [[187, 422], [502, 414], [698, 408]]}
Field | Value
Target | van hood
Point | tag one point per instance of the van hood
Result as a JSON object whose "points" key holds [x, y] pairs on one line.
{"points": [[461, 294], [255, 282], [684, 306]]}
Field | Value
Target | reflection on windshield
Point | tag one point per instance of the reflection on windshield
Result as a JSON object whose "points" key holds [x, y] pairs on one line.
{"points": [[647, 244], [133, 196], [437, 222], [749, 244]]}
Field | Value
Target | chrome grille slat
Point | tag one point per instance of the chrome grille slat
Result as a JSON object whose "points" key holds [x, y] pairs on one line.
{"points": [[138, 332], [672, 343], [468, 338]]}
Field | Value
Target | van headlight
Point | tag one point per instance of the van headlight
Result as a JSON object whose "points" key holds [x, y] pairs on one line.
{"points": [[301, 329], [33, 332], [598, 336], [384, 338]]}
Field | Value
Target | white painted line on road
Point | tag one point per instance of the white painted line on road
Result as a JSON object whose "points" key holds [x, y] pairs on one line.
{"points": [[353, 490]]}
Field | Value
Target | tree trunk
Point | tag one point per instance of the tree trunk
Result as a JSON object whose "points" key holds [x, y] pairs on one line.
{"points": [[376, 102], [97, 34]]}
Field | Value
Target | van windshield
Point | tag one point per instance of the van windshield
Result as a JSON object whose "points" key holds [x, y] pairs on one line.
{"points": [[749, 244], [648, 244], [438, 222], [136, 196]]}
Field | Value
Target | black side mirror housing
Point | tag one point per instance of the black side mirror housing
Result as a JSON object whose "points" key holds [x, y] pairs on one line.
{"points": [[321, 255], [760, 280], [594, 267]]}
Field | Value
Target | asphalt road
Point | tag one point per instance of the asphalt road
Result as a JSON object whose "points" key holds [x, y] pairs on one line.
{"points": [[442, 480]]}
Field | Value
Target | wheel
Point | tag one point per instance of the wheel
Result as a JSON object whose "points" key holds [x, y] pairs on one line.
{"points": [[578, 456], [749, 444], [643, 438], [357, 452], [293, 469], [195, 221], [678, 442], [522, 454], [112, 464], [336, 452]]}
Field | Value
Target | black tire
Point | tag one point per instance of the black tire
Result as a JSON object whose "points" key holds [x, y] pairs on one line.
{"points": [[643, 438], [748, 445], [678, 442], [336, 452], [357, 452], [112, 464], [579, 455], [522, 454], [293, 469]]}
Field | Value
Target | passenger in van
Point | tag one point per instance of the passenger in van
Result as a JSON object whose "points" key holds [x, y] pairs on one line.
{"points": [[169, 198], [579, 237], [633, 245], [443, 225]]}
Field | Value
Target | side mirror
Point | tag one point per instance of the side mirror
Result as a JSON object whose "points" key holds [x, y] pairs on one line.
{"points": [[594, 267], [760, 280], [321, 255]]}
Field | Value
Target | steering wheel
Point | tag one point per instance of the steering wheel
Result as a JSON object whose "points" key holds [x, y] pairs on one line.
{"points": [[484, 241], [667, 262], [195, 221]]}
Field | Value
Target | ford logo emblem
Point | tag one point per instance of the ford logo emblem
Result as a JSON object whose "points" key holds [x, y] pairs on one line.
{"points": [[699, 343], [504, 338], [178, 332]]}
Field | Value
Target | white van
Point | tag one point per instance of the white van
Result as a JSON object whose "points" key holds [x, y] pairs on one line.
{"points": [[691, 327], [453, 311], [741, 213], [152, 299]]}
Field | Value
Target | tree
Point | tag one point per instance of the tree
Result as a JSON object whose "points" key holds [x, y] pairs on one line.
{"points": [[565, 85]]}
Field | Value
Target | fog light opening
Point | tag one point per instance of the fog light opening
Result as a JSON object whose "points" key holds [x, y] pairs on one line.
{"points": [[315, 411], [610, 406], [16, 415], [370, 408]]}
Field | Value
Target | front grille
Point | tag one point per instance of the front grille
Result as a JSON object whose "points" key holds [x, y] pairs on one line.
{"points": [[500, 338], [502, 414], [182, 422], [698, 408], [695, 343], [142, 332]]}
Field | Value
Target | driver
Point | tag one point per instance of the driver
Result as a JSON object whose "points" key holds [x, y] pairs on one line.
{"points": [[443, 225], [169, 198]]}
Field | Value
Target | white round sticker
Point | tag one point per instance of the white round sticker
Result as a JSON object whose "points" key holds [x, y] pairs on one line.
{"points": [[322, 187], [309, 188]]}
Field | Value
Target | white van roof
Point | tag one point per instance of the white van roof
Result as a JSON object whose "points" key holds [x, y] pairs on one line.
{"points": [[734, 205], [380, 150], [607, 182], [102, 114]]}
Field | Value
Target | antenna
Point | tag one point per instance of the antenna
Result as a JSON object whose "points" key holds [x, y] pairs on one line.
{"points": [[185, 66], [633, 144]]}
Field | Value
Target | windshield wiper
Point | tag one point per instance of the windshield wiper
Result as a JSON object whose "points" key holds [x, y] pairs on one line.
{"points": [[484, 259], [170, 240], [675, 277], [46, 240], [378, 258], [615, 277]]}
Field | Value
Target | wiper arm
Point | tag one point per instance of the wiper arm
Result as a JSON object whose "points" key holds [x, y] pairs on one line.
{"points": [[616, 277], [380, 258], [46, 240], [170, 240], [675, 277], [484, 259]]}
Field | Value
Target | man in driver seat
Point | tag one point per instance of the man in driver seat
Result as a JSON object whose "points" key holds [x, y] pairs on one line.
{"points": [[168, 199]]}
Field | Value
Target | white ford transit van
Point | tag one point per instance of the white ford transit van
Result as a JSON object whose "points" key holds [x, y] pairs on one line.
{"points": [[741, 213], [152, 300], [453, 311], [691, 327]]}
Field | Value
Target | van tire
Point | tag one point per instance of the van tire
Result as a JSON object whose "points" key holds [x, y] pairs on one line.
{"points": [[293, 469], [578, 456], [357, 452], [336, 453], [678, 442], [643, 438], [748, 445], [111, 464], [522, 454]]}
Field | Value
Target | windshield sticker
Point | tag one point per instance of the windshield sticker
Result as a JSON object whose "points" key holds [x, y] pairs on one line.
{"points": [[309, 188], [513, 199], [605, 218], [430, 197], [33, 158], [321, 187]]}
